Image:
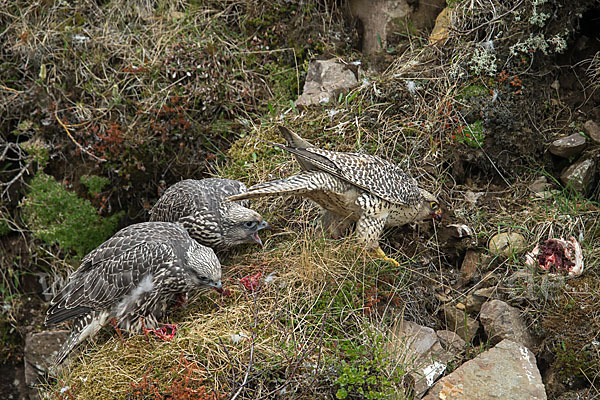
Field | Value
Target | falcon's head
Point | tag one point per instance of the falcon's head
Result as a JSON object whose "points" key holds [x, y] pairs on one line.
{"points": [[429, 207], [202, 268], [241, 225]]}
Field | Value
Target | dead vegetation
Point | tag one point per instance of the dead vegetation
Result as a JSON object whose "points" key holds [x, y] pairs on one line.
{"points": [[148, 93]]}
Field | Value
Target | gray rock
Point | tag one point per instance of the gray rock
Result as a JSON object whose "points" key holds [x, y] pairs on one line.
{"points": [[460, 322], [474, 301], [540, 185], [593, 130], [502, 321], [507, 244], [419, 347], [580, 175], [451, 342], [508, 371], [568, 146], [40, 348], [325, 80]]}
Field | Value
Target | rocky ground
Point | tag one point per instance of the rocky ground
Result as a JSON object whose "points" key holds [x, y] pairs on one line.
{"points": [[494, 107]]}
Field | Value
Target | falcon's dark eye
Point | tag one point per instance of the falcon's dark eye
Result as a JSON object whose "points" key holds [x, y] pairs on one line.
{"points": [[434, 205], [250, 224], [201, 277]]}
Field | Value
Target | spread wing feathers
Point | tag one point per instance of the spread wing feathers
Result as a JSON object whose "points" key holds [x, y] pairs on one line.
{"points": [[107, 275], [190, 196], [370, 173], [304, 182]]}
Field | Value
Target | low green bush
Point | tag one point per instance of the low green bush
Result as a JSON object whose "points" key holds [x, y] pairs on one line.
{"points": [[56, 215]]}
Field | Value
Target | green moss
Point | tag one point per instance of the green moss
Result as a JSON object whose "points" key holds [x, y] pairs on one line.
{"points": [[55, 215], [474, 91]]}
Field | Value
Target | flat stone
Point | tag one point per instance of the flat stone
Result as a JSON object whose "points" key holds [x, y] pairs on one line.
{"points": [[579, 175], [325, 81], [568, 146], [507, 371], [507, 244], [593, 130], [469, 266], [460, 323], [419, 346], [502, 321], [40, 349], [540, 185], [451, 342]]}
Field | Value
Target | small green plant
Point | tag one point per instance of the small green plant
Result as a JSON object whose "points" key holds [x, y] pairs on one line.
{"points": [[38, 151], [367, 372], [55, 215], [474, 91], [94, 183], [472, 135]]}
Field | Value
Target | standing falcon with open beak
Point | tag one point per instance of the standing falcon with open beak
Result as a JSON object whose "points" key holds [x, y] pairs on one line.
{"points": [[351, 188]]}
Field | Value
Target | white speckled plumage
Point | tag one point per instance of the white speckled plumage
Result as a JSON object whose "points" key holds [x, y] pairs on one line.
{"points": [[132, 277], [351, 188], [198, 205]]}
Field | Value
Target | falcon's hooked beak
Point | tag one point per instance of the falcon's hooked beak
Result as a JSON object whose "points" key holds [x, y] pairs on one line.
{"points": [[437, 215], [215, 285], [255, 237]]}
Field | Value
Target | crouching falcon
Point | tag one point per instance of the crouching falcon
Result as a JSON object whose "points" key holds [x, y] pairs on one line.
{"points": [[131, 279], [351, 188]]}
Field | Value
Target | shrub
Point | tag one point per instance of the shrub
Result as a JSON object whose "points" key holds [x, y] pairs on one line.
{"points": [[55, 215], [365, 373], [94, 183]]}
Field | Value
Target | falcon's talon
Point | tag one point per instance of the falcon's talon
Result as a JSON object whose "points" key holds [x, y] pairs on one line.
{"points": [[200, 206], [379, 253]]}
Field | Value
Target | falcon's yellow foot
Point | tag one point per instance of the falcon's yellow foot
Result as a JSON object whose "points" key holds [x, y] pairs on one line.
{"points": [[378, 253]]}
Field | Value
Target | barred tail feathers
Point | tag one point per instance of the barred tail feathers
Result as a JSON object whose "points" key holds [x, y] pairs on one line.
{"points": [[83, 328]]}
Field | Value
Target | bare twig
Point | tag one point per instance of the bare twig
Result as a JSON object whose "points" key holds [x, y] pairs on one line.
{"points": [[66, 128]]}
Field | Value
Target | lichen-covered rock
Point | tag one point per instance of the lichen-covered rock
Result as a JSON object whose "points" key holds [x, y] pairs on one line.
{"points": [[325, 80], [507, 371], [40, 348], [501, 321], [439, 33], [580, 175], [507, 244], [568, 146]]}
